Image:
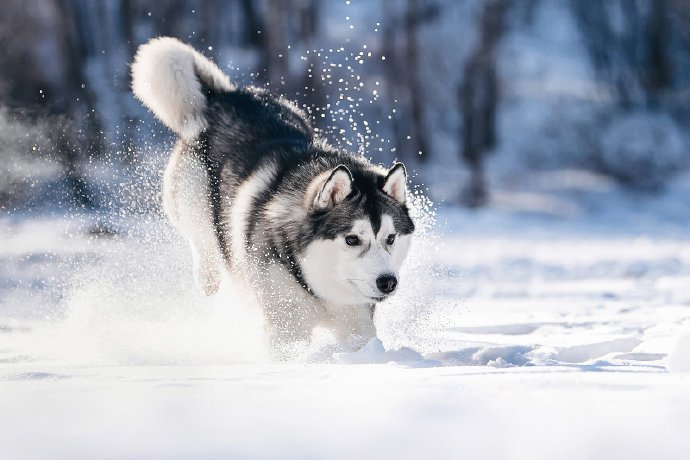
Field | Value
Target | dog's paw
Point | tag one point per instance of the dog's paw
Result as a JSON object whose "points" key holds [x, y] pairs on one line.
{"points": [[207, 277], [208, 286]]}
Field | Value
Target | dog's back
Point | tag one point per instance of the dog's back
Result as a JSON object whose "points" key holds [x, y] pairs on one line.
{"points": [[244, 125], [226, 135]]}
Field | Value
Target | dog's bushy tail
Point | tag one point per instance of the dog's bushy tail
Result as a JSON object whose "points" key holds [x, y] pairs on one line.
{"points": [[169, 78]]}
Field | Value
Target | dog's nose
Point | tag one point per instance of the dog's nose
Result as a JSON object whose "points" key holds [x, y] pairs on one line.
{"points": [[386, 283]]}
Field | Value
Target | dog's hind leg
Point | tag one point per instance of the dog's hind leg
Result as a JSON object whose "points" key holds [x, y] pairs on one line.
{"points": [[187, 203]]}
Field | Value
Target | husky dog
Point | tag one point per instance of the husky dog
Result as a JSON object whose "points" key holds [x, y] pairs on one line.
{"points": [[318, 234]]}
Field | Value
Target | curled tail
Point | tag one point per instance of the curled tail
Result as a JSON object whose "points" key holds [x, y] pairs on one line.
{"points": [[169, 78]]}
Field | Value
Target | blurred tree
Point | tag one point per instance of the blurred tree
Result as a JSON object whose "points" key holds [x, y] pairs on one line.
{"points": [[273, 31], [628, 43], [170, 17], [311, 84], [478, 99], [404, 78], [42, 75], [274, 59], [633, 49], [395, 84], [253, 26], [413, 18]]}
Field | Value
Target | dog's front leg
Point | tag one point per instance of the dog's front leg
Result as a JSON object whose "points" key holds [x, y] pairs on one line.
{"points": [[353, 326]]}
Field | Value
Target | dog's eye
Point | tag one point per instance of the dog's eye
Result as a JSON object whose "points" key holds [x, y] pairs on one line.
{"points": [[391, 239], [352, 240]]}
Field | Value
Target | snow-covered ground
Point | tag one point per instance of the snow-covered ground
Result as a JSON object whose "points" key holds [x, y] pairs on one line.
{"points": [[517, 334]]}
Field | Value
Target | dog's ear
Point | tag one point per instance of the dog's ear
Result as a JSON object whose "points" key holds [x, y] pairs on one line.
{"points": [[395, 183], [336, 188]]}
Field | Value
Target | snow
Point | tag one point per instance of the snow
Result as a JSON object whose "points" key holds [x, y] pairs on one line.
{"points": [[679, 358], [516, 334], [555, 324], [374, 352]]}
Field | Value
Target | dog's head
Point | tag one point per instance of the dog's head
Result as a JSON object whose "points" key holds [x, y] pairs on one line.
{"points": [[360, 234]]}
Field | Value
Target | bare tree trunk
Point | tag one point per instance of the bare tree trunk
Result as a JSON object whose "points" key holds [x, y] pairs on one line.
{"points": [[312, 85], [127, 17], [275, 61], [630, 51], [394, 84], [478, 99], [253, 29], [170, 17], [404, 86], [659, 67], [66, 142], [414, 83]]}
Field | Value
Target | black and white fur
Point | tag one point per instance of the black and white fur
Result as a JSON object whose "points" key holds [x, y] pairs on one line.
{"points": [[319, 234]]}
